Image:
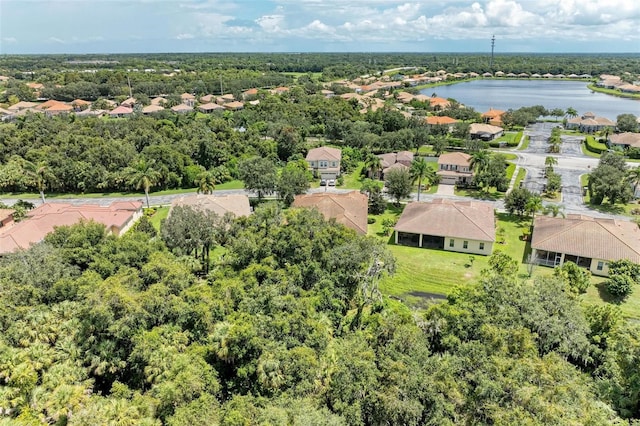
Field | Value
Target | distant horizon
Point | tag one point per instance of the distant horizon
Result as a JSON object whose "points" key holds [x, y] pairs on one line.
{"points": [[34, 27]]}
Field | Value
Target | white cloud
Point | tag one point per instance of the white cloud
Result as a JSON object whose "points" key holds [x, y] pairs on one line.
{"points": [[56, 40], [9, 39], [184, 36], [271, 23]]}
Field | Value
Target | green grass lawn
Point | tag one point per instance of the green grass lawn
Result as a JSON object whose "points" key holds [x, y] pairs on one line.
{"points": [[156, 219], [597, 294], [525, 144], [522, 173], [234, 184], [353, 180]]}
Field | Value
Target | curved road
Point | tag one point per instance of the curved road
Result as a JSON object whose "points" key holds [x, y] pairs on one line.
{"points": [[572, 163]]}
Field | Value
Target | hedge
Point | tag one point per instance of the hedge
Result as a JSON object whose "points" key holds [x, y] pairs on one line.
{"points": [[594, 146]]}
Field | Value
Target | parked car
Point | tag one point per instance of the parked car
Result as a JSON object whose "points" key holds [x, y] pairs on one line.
{"points": [[332, 182], [323, 182]]}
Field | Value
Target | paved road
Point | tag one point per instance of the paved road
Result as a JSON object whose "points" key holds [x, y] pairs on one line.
{"points": [[572, 163]]}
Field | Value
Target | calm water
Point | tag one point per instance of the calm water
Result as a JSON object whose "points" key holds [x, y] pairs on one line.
{"points": [[514, 94]]}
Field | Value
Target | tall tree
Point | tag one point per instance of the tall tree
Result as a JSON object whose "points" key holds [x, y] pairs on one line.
{"points": [[38, 176], [634, 178], [293, 180], [421, 171], [143, 175], [373, 164], [399, 184], [259, 175], [206, 182]]}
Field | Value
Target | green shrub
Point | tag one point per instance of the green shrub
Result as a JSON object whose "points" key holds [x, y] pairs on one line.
{"points": [[594, 146], [620, 286], [371, 220]]}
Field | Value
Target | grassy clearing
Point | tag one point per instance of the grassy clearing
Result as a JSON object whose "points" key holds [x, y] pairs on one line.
{"points": [[522, 173], [597, 294], [605, 207], [353, 180], [525, 143], [160, 214]]}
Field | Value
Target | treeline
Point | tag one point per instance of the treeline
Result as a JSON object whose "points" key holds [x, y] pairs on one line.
{"points": [[289, 328], [332, 65]]}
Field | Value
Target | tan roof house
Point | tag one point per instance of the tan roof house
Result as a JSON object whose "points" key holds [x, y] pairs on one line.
{"points": [[181, 108], [493, 117], [22, 105], [158, 101], [188, 99], [234, 106], [463, 226], [324, 162], [485, 132], [129, 102], [249, 93], [587, 241], [210, 107], [236, 204], [59, 108], [121, 111], [152, 109], [349, 209], [207, 98], [455, 168], [118, 218], [395, 160], [589, 123], [624, 140]]}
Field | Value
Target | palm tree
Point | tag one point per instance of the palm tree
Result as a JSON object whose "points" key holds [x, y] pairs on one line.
{"points": [[571, 112], [550, 162], [420, 170], [373, 164], [206, 182], [634, 178], [553, 210], [534, 205], [143, 175], [38, 176]]}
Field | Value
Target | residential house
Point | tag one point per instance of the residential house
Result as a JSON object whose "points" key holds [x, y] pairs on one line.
{"points": [[439, 104], [80, 105], [224, 99], [234, 204], [129, 102], [349, 209], [121, 111], [455, 168], [493, 117], [251, 93], [188, 99], [22, 105], [117, 218], [207, 99], [393, 160], [234, 106], [589, 123], [210, 107], [181, 108], [324, 162], [624, 140], [158, 101], [485, 132], [462, 226], [445, 121], [152, 109], [59, 108], [587, 241]]}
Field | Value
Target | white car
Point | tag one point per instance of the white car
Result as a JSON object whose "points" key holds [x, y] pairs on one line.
{"points": [[332, 182]]}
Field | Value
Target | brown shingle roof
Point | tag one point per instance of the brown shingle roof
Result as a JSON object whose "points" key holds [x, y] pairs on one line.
{"points": [[457, 158], [324, 153], [607, 239], [237, 204], [349, 209], [626, 138], [473, 220]]}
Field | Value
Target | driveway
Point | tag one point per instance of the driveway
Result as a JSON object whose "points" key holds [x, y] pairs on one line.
{"points": [[447, 190]]}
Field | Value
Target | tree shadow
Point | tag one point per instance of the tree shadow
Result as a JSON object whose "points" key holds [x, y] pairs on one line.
{"points": [[607, 208], [606, 296]]}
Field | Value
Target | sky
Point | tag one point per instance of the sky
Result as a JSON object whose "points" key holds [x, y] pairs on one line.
{"points": [[149, 26]]}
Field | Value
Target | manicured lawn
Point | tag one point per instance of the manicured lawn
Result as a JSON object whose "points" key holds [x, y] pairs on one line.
{"points": [[422, 273], [597, 294], [522, 173], [525, 144], [156, 219], [353, 180]]}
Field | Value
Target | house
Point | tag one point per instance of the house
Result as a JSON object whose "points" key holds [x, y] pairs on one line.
{"points": [[393, 160], [210, 107], [181, 108], [485, 132], [117, 218], [158, 101], [234, 106], [151, 109], [462, 226], [6, 217], [121, 111], [493, 117], [438, 104], [324, 162], [59, 108], [624, 140], [221, 100], [80, 105], [455, 168], [188, 99], [587, 241], [207, 99], [444, 120], [349, 209], [22, 105], [249, 93], [129, 102], [235, 204], [589, 123]]}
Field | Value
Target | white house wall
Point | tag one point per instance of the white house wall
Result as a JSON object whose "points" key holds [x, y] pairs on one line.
{"points": [[473, 246]]}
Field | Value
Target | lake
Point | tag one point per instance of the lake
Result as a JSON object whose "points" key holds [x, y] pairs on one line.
{"points": [[514, 94]]}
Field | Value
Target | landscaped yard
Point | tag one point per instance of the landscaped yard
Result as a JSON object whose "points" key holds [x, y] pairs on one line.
{"points": [[156, 219]]}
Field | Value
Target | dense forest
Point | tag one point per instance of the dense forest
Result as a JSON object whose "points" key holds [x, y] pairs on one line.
{"points": [[288, 327]]}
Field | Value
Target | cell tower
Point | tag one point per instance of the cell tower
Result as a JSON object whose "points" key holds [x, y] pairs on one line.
{"points": [[493, 43]]}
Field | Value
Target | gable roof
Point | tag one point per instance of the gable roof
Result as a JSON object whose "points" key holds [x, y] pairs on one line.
{"points": [[480, 128], [607, 239], [440, 120], [457, 158], [121, 110], [473, 220], [492, 113], [181, 108], [349, 209], [149, 109], [42, 220], [324, 153], [626, 138], [210, 107], [237, 204], [22, 105]]}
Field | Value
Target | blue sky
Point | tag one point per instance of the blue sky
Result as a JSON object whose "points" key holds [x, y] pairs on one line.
{"points": [[140, 26]]}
